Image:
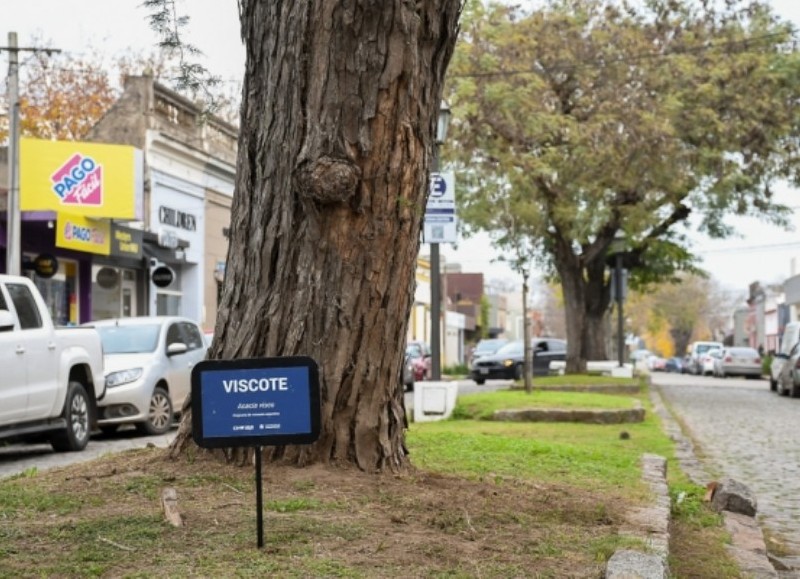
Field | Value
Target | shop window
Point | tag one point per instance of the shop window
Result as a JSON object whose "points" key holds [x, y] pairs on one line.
{"points": [[60, 293], [113, 292], [168, 304]]}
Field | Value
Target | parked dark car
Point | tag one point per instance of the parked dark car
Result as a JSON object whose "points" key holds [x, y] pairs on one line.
{"points": [[673, 365], [507, 363]]}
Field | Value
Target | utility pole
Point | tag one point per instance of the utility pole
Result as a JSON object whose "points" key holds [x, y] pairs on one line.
{"points": [[13, 220]]}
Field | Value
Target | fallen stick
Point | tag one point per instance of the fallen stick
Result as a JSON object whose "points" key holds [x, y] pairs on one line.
{"points": [[169, 502]]}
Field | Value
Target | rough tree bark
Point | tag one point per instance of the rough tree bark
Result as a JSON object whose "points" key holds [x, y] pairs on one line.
{"points": [[339, 107], [586, 300]]}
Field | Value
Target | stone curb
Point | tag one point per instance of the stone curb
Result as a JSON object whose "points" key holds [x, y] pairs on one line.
{"points": [[649, 524], [594, 388], [622, 416]]}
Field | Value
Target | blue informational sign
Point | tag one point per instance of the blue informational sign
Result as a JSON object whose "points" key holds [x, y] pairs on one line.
{"points": [[440, 225], [255, 402]]}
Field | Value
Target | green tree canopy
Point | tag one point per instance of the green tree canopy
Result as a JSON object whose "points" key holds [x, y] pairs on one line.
{"points": [[589, 119]]}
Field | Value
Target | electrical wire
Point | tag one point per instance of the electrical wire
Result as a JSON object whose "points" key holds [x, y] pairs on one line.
{"points": [[598, 62]]}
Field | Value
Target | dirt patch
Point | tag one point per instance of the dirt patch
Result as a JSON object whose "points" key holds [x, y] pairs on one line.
{"points": [[104, 518]]}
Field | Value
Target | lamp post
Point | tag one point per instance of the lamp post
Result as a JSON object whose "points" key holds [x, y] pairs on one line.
{"points": [[442, 123], [619, 294]]}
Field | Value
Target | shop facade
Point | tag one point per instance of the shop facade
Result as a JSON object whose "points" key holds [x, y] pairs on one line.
{"points": [[69, 195], [190, 164], [151, 239]]}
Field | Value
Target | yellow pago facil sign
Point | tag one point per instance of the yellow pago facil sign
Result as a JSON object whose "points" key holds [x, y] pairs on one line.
{"points": [[82, 234], [86, 179]]}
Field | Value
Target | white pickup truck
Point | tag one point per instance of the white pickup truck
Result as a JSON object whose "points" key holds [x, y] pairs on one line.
{"points": [[50, 378]]}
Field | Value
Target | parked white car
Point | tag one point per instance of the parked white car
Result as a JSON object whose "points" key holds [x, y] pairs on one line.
{"points": [[148, 365], [738, 361], [695, 353], [709, 361], [790, 337]]}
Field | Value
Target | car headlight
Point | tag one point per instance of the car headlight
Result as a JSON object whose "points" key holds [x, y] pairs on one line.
{"points": [[123, 377], [508, 363]]}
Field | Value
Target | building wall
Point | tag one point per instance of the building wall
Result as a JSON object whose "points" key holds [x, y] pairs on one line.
{"points": [[190, 164], [218, 213], [171, 195]]}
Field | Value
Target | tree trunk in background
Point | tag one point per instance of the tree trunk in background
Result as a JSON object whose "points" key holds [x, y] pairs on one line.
{"points": [[586, 300], [598, 298], [573, 287], [339, 109]]}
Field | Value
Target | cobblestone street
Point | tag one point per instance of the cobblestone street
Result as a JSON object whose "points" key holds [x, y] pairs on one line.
{"points": [[743, 431]]}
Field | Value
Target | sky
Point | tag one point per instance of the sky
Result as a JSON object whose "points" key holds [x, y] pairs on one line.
{"points": [[112, 27]]}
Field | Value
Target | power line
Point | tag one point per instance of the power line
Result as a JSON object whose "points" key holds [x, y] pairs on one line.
{"points": [[750, 248], [597, 62]]}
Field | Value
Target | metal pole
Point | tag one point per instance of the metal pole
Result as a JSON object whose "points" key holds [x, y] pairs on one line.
{"points": [[259, 500], [13, 225], [436, 307], [620, 325], [436, 297], [528, 357]]}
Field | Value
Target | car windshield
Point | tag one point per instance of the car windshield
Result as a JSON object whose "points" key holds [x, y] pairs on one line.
{"points": [[703, 348], [129, 339], [488, 346], [512, 349], [414, 350]]}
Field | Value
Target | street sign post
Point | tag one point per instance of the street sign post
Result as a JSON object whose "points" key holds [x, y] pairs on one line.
{"points": [[256, 402], [440, 212]]}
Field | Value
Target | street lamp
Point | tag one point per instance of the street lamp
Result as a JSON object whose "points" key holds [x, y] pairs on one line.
{"points": [[618, 286], [442, 123]]}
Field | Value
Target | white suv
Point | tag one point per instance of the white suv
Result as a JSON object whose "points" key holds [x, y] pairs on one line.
{"points": [[696, 351]]}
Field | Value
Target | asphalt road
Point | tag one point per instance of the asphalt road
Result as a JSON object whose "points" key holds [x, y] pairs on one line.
{"points": [[18, 458]]}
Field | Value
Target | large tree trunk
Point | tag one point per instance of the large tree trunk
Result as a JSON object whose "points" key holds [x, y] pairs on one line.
{"points": [[597, 296], [586, 300], [574, 290], [339, 108]]}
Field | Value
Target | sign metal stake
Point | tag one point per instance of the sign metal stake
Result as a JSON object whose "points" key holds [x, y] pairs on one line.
{"points": [[253, 403], [259, 500]]}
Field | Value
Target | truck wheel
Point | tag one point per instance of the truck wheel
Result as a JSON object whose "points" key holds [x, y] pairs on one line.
{"points": [[159, 415], [76, 412], [773, 384]]}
